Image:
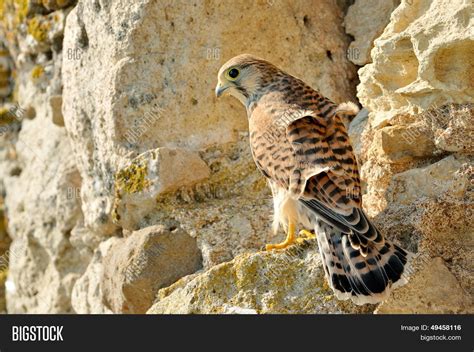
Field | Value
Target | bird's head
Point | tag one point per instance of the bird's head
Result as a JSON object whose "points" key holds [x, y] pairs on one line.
{"points": [[243, 77]]}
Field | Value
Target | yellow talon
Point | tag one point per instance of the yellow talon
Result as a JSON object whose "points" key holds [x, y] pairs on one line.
{"points": [[290, 239], [307, 234], [300, 240]]}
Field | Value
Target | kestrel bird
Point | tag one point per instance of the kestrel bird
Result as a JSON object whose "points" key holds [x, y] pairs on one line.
{"points": [[300, 144]]}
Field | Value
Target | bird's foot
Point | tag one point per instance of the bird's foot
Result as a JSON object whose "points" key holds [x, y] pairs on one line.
{"points": [[307, 234], [304, 236], [282, 245], [290, 239]]}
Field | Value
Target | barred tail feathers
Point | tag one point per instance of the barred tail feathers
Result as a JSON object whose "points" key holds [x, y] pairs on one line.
{"points": [[363, 279]]}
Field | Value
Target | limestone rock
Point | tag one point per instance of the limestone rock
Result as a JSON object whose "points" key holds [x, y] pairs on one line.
{"points": [[290, 281], [230, 212], [411, 142], [237, 310], [432, 290], [422, 60], [356, 130], [4, 254], [429, 182], [418, 145], [429, 210], [38, 173], [38, 176], [41, 212], [365, 21], [453, 128], [136, 267], [86, 296], [397, 145], [148, 176]]}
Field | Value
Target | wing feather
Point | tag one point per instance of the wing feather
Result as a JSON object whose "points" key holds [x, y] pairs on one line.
{"points": [[329, 180]]}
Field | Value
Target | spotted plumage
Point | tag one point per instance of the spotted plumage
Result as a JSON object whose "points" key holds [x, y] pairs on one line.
{"points": [[299, 142]]}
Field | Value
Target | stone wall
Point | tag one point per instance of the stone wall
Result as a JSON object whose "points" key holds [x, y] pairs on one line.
{"points": [[128, 188], [417, 149]]}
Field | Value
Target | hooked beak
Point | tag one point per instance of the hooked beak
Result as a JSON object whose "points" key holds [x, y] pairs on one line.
{"points": [[219, 90]]}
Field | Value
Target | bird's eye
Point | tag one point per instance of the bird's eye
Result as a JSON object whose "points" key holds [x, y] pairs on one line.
{"points": [[233, 73]]}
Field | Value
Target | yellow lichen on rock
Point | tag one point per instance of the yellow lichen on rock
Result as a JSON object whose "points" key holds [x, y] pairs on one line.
{"points": [[37, 72], [132, 179], [5, 116], [3, 278], [38, 28], [18, 7], [290, 281]]}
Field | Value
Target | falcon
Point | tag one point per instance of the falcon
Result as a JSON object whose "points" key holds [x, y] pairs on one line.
{"points": [[299, 142]]}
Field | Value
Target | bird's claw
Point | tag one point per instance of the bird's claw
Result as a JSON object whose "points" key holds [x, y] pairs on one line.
{"points": [[306, 235]]}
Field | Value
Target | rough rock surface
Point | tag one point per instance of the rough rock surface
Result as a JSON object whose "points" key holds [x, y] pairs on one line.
{"points": [[416, 149], [229, 213], [282, 282], [86, 297], [38, 172], [136, 267], [421, 60], [365, 21], [441, 293], [150, 175], [4, 254], [42, 211]]}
